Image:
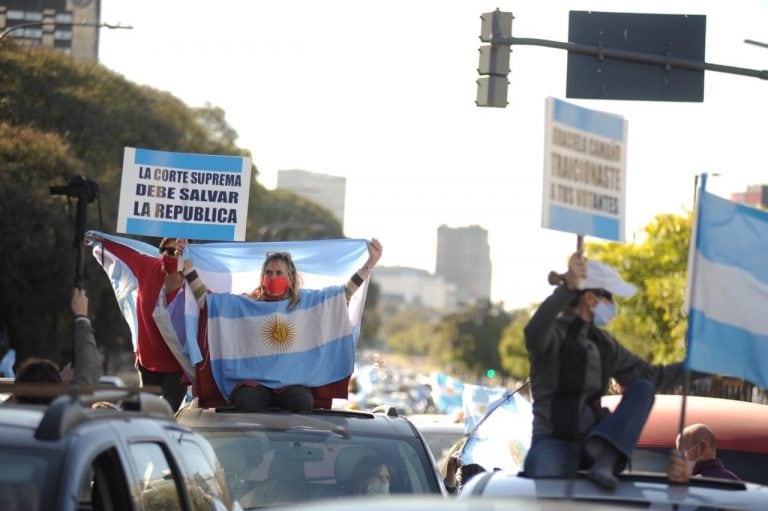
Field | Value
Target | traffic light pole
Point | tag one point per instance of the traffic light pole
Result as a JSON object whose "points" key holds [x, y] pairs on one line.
{"points": [[496, 29], [602, 53]]}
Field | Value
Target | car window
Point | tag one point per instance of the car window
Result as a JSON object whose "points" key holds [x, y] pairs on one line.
{"points": [[159, 488], [266, 468], [104, 485], [749, 466], [206, 484], [23, 476]]}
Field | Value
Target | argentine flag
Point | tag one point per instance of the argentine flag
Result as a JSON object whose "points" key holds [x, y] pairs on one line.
{"points": [[501, 439], [169, 317], [311, 345], [728, 290]]}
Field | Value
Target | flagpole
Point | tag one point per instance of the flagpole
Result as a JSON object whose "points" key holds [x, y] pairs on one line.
{"points": [[691, 280]]}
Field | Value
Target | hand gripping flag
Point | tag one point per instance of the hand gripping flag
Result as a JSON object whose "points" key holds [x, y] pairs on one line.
{"points": [[311, 345], [728, 290]]}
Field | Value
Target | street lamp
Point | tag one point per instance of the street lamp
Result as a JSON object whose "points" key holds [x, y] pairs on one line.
{"points": [[44, 23]]}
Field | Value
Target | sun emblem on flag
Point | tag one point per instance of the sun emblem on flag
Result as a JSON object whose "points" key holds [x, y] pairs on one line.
{"points": [[278, 333]]}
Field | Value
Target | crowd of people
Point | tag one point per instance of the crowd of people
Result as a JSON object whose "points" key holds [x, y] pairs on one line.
{"points": [[573, 362]]}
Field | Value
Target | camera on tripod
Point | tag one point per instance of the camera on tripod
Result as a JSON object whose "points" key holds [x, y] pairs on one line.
{"points": [[79, 187]]}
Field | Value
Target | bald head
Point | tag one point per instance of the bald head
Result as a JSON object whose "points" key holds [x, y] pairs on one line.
{"points": [[699, 440]]}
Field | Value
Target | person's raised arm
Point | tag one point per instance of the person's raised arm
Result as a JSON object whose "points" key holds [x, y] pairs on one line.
{"points": [[537, 331], [197, 285], [354, 282], [88, 359]]}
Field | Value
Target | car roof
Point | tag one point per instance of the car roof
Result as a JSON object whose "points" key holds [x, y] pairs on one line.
{"points": [[440, 503], [632, 491], [738, 425], [332, 420]]}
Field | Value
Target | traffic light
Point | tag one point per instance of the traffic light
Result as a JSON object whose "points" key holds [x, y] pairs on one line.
{"points": [[494, 59], [490, 373]]}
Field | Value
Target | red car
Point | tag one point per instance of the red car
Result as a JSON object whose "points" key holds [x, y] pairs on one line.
{"points": [[741, 429]]}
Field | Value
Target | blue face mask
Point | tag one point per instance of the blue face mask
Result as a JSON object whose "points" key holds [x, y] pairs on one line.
{"points": [[603, 313]]}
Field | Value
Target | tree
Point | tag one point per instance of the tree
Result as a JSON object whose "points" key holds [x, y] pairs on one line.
{"points": [[470, 338], [414, 331], [512, 350], [59, 119], [653, 322]]}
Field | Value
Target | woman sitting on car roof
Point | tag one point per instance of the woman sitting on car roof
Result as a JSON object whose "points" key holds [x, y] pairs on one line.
{"points": [[280, 282]]}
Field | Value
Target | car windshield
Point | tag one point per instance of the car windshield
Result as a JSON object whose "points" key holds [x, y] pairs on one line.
{"points": [[23, 476], [266, 467]]}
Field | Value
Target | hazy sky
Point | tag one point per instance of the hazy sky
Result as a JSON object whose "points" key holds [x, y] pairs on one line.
{"points": [[383, 93]]}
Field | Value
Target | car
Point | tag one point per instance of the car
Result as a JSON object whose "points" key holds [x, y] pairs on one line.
{"points": [[276, 457], [741, 429], [67, 455], [633, 491], [432, 503]]}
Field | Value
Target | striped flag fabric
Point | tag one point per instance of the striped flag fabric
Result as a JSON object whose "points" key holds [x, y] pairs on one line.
{"points": [[312, 345], [125, 286], [266, 342], [728, 290], [503, 436]]}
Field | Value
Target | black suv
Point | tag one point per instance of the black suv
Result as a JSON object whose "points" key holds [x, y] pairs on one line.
{"points": [[68, 456], [274, 457]]}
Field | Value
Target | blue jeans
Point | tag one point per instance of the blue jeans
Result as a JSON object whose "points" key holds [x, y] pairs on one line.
{"points": [[553, 457]]}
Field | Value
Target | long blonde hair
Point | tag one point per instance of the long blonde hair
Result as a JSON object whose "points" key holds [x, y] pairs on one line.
{"points": [[294, 279]]}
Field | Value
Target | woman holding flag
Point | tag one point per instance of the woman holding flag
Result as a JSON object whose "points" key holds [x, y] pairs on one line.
{"points": [[268, 322]]}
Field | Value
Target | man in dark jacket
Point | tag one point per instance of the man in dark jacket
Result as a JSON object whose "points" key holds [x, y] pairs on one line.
{"points": [[572, 362]]}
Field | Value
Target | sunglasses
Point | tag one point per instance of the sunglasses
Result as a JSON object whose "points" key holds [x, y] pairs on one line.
{"points": [[171, 251], [602, 293]]}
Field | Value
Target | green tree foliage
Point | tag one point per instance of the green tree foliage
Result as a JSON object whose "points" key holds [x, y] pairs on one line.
{"points": [[414, 331], [512, 351], [59, 119], [470, 338], [653, 322]]}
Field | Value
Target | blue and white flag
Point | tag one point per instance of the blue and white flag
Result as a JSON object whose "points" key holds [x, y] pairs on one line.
{"points": [[125, 285], [311, 345], [728, 290], [236, 268], [476, 399], [502, 438], [123, 281], [447, 392]]}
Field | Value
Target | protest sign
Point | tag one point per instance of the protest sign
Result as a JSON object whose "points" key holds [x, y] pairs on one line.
{"points": [[182, 195], [585, 155]]}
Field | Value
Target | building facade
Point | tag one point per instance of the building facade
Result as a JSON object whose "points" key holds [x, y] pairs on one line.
{"points": [[402, 287], [463, 259], [322, 189], [69, 26]]}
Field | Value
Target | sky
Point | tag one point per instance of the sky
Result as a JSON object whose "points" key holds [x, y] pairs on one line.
{"points": [[383, 93]]}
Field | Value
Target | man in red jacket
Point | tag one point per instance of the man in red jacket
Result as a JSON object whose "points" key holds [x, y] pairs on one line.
{"points": [[154, 360]]}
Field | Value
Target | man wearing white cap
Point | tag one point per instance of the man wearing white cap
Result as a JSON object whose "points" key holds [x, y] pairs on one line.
{"points": [[572, 362]]}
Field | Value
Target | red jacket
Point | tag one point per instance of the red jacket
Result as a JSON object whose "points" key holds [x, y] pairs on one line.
{"points": [[151, 350]]}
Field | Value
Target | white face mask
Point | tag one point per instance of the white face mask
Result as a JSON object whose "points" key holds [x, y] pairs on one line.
{"points": [[376, 488], [603, 313]]}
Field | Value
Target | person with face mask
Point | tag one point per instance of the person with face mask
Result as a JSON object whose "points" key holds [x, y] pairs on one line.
{"points": [[696, 455], [572, 363], [371, 477], [280, 281], [159, 278]]}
